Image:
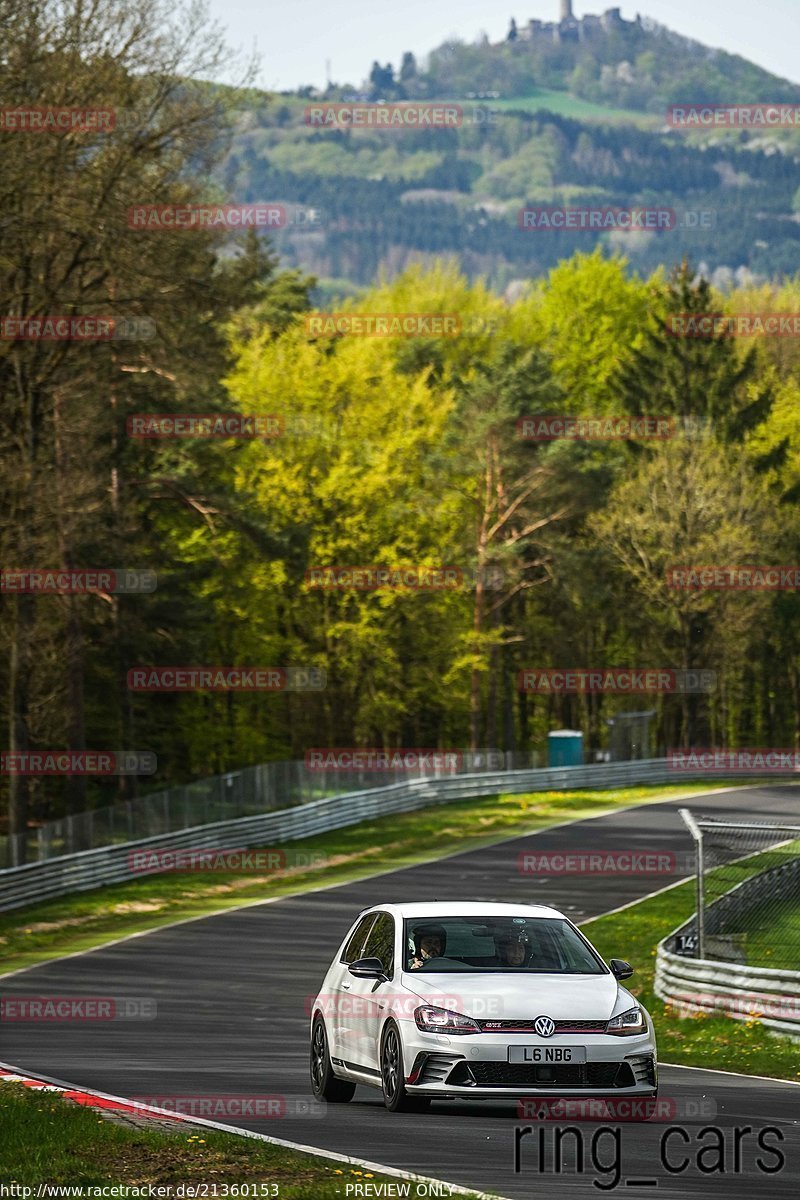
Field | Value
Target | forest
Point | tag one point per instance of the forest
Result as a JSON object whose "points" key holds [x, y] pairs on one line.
{"points": [[399, 452]]}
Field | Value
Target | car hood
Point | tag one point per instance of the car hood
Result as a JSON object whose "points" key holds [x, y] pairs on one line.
{"points": [[505, 997]]}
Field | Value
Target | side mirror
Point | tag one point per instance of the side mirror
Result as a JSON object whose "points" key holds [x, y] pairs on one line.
{"points": [[367, 968], [620, 969]]}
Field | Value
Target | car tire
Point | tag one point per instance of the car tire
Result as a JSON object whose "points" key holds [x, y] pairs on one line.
{"points": [[395, 1096], [324, 1083]]}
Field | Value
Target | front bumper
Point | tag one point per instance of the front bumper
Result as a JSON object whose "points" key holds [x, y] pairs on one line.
{"points": [[479, 1066]]}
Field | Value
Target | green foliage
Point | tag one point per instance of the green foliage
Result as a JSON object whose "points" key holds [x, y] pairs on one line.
{"points": [[392, 451], [405, 452]]}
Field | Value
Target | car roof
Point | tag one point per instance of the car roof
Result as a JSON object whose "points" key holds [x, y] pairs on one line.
{"points": [[466, 908]]}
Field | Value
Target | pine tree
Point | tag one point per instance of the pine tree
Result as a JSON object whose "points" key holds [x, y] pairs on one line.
{"points": [[700, 380]]}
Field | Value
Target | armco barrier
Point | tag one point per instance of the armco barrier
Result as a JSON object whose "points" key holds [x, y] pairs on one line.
{"points": [[700, 986], [709, 986], [88, 869]]}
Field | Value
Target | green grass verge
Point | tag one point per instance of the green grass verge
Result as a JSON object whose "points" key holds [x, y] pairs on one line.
{"points": [[770, 933], [774, 940], [90, 919], [47, 1140], [721, 1043], [564, 104]]}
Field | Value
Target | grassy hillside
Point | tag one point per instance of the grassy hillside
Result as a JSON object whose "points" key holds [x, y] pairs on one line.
{"points": [[565, 104]]}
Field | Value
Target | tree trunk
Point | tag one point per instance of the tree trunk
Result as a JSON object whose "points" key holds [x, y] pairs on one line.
{"points": [[475, 684], [76, 727], [491, 700], [74, 659], [18, 731], [509, 739], [795, 682]]}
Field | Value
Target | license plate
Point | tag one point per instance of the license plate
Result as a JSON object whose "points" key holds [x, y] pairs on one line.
{"points": [[547, 1054]]}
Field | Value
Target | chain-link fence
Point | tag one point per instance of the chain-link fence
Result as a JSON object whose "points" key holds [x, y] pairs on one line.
{"points": [[748, 894], [243, 793]]}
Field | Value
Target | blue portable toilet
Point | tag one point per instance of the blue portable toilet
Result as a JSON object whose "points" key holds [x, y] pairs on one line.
{"points": [[565, 748]]}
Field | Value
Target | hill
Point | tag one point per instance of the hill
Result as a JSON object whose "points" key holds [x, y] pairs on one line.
{"points": [[555, 117], [638, 65]]}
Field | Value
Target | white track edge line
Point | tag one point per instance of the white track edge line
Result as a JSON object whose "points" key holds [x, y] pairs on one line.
{"points": [[456, 1188], [734, 1074]]}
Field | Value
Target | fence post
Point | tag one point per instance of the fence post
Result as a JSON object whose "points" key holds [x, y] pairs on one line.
{"points": [[697, 835]]}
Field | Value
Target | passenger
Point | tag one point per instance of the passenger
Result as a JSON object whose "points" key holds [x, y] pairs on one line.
{"points": [[513, 949]]}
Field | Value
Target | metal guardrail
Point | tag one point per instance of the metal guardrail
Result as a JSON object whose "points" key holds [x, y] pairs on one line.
{"points": [[698, 985], [714, 987], [87, 869], [244, 792]]}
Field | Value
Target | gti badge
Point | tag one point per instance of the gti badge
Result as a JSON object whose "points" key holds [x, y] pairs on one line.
{"points": [[544, 1026]]}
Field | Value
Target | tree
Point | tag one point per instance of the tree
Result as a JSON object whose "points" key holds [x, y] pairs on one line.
{"points": [[346, 486], [688, 504], [382, 79], [589, 314], [66, 247], [699, 379], [515, 495], [408, 67]]}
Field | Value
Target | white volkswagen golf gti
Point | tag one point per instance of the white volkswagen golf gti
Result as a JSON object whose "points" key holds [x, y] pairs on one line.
{"points": [[478, 1000]]}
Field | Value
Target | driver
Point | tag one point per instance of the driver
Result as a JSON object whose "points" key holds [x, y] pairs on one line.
{"points": [[429, 942], [513, 948]]}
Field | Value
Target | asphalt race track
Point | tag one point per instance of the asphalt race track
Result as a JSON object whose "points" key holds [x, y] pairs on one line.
{"points": [[232, 994]]}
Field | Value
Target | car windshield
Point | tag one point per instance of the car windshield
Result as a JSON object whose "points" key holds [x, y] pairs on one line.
{"points": [[547, 945]]}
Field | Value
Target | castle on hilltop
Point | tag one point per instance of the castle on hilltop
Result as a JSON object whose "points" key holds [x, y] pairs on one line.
{"points": [[570, 29]]}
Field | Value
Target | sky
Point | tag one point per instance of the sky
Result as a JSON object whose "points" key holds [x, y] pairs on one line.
{"points": [[295, 38]]}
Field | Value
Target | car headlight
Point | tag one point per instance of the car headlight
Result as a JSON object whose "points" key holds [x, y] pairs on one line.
{"points": [[627, 1024], [442, 1020]]}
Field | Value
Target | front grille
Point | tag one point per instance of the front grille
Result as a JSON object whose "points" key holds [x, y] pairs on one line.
{"points": [[527, 1026], [529, 1075]]}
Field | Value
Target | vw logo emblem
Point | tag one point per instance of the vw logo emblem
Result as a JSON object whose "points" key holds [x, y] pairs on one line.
{"points": [[544, 1026]]}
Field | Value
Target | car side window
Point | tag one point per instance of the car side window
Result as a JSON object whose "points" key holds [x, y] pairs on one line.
{"points": [[358, 937], [380, 943]]}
